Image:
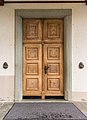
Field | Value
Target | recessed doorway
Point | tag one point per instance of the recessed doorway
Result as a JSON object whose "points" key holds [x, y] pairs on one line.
{"points": [[43, 57]]}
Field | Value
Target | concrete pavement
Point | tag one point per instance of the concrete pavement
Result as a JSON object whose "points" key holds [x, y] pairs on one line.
{"points": [[4, 108]]}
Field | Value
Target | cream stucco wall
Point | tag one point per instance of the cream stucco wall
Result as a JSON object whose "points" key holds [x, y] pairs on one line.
{"points": [[7, 47]]}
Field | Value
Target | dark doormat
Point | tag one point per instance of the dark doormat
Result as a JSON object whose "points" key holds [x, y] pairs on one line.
{"points": [[45, 111]]}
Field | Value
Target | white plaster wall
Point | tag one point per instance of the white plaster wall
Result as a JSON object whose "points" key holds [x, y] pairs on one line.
{"points": [[6, 54], [79, 49], [79, 52], [6, 41], [79, 42]]}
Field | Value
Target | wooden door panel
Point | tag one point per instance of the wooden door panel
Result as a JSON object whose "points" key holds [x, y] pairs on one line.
{"points": [[32, 84], [53, 69], [53, 59], [32, 65], [32, 31], [42, 37], [53, 31], [31, 53], [53, 84]]}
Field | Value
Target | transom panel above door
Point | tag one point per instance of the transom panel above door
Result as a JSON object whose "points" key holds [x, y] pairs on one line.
{"points": [[38, 31], [43, 57]]}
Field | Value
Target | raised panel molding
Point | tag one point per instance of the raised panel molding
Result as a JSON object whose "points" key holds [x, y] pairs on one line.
{"points": [[32, 31], [32, 84], [53, 84], [54, 69], [31, 53], [53, 31], [32, 69], [53, 53]]}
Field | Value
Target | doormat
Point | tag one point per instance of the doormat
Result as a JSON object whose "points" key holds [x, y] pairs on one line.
{"points": [[45, 111]]}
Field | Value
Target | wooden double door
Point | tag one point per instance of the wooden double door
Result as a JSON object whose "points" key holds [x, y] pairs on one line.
{"points": [[43, 57]]}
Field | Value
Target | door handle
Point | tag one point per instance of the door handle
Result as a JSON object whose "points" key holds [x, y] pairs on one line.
{"points": [[46, 69]]}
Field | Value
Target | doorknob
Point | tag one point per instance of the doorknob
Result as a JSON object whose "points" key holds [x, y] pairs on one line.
{"points": [[46, 69]]}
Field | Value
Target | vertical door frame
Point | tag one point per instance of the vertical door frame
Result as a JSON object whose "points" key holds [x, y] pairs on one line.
{"points": [[18, 60], [67, 15]]}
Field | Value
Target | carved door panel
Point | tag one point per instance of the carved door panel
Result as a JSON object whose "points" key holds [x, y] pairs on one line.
{"points": [[53, 31], [32, 66], [32, 31], [53, 61], [53, 57], [32, 57]]}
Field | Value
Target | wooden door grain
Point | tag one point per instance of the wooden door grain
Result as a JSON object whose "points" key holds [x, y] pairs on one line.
{"points": [[32, 66], [43, 57]]}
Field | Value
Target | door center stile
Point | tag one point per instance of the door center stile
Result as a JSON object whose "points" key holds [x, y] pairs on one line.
{"points": [[42, 43]]}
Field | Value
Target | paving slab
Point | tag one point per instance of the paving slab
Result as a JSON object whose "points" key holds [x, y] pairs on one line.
{"points": [[4, 108], [82, 106]]}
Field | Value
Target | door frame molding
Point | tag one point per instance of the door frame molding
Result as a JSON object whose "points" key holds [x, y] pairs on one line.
{"points": [[55, 13]]}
